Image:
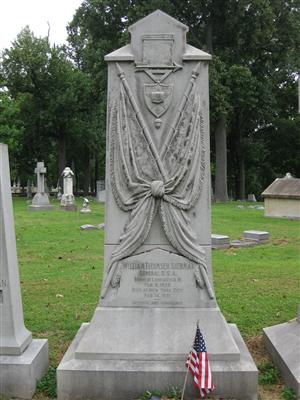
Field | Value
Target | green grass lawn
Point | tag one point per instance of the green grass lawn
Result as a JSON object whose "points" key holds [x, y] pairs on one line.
{"points": [[61, 271]]}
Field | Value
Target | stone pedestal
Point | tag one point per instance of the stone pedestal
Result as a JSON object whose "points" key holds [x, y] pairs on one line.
{"points": [[40, 201], [283, 343], [158, 278], [22, 360]]}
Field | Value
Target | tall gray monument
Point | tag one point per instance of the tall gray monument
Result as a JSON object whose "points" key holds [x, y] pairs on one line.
{"points": [[157, 281], [40, 201], [22, 359], [67, 202]]}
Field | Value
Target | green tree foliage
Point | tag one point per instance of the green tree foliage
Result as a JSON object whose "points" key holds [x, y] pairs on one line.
{"points": [[55, 97], [51, 97]]}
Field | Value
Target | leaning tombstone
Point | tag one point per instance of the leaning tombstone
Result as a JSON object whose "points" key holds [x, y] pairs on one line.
{"points": [[23, 360], [283, 343], [67, 202], [40, 201], [158, 279]]}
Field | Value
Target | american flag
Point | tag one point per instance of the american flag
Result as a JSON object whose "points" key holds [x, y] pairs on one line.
{"points": [[198, 364]]}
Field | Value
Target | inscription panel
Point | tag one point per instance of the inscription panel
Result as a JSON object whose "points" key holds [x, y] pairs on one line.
{"points": [[157, 278]]}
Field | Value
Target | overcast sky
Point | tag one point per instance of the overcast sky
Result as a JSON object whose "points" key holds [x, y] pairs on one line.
{"points": [[16, 14]]}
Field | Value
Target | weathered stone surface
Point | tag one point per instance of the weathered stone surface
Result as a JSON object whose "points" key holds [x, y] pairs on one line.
{"points": [[40, 201], [158, 279], [283, 343], [22, 359], [119, 379], [19, 374]]}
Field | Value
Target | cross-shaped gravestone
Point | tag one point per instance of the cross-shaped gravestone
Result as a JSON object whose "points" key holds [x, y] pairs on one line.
{"points": [[40, 171], [40, 202]]}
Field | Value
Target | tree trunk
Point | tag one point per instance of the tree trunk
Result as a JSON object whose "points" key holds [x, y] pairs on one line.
{"points": [[221, 193], [242, 191], [87, 173], [61, 157]]}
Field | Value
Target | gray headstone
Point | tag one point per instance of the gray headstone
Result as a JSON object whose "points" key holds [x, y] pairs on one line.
{"points": [[22, 360], [251, 197], [67, 202], [257, 236], [100, 191], [158, 281], [40, 201], [88, 227], [283, 343], [220, 241]]}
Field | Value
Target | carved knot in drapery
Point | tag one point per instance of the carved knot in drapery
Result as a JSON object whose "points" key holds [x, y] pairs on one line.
{"points": [[157, 189], [146, 181]]}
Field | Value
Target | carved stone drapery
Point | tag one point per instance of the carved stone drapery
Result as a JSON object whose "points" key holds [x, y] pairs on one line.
{"points": [[146, 181]]}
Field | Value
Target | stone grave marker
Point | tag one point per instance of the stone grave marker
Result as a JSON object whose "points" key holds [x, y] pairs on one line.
{"points": [[220, 241], [158, 279], [100, 191], [86, 207], [256, 236], [67, 202], [40, 201], [283, 343], [23, 360]]}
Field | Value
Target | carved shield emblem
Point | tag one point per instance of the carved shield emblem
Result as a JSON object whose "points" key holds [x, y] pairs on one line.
{"points": [[158, 98]]}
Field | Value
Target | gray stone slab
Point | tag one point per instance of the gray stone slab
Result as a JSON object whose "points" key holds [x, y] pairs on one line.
{"points": [[220, 241], [243, 243], [88, 227], [79, 379], [19, 374], [160, 337], [33, 207], [157, 278], [283, 343], [259, 236]]}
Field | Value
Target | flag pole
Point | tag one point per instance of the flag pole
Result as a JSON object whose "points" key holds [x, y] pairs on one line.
{"points": [[185, 380], [187, 371]]}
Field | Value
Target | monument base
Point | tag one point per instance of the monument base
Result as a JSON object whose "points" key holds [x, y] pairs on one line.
{"points": [[19, 374], [68, 207], [43, 207], [283, 343], [97, 366]]}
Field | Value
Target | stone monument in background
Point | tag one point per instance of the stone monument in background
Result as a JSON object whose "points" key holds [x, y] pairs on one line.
{"points": [[23, 360], [40, 201], [67, 199], [100, 191], [158, 280]]}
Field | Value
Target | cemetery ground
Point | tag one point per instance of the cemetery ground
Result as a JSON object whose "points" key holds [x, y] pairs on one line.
{"points": [[61, 268]]}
